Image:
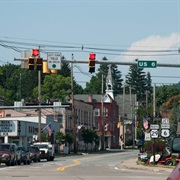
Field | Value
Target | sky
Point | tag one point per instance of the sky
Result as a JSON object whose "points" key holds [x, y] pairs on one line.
{"points": [[120, 30]]}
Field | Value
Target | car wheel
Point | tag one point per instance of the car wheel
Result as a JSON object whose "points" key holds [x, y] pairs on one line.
{"points": [[169, 163], [13, 163], [8, 163], [25, 162], [19, 162]]}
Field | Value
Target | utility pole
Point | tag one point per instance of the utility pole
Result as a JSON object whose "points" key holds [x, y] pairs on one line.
{"points": [[102, 114], [123, 115], [154, 115], [73, 110], [39, 103]]}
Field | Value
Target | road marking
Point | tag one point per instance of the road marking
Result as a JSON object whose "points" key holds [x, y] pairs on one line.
{"points": [[70, 165], [76, 161]]}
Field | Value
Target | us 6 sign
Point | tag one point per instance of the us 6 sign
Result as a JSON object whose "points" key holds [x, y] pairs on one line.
{"points": [[165, 132], [147, 64]]}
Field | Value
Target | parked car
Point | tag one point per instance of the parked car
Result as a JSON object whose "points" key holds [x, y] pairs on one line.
{"points": [[34, 153], [7, 154], [18, 154], [26, 159]]}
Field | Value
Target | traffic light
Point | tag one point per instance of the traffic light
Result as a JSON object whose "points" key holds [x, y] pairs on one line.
{"points": [[35, 52], [92, 58], [31, 63], [39, 63]]}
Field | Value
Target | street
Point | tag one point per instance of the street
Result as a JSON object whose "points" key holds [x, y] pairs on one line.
{"points": [[100, 166]]}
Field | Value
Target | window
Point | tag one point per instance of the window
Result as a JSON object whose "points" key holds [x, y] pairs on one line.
{"points": [[97, 112], [105, 112], [96, 126]]}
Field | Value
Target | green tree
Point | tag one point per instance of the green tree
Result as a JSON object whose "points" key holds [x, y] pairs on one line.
{"points": [[149, 87], [60, 137], [88, 136], [95, 84], [55, 86], [136, 79], [68, 139]]}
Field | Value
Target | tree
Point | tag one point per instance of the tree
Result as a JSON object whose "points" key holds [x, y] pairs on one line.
{"points": [[95, 84], [55, 86], [68, 139], [59, 137], [136, 79], [149, 87], [88, 136]]}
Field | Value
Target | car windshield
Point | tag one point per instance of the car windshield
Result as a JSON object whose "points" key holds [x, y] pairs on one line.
{"points": [[42, 146], [4, 147], [21, 148], [30, 148]]}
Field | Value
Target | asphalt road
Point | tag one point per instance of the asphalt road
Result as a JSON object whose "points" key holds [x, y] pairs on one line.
{"points": [[101, 166]]}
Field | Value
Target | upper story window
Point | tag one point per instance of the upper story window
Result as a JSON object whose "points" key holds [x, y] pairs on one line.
{"points": [[105, 112], [97, 112]]}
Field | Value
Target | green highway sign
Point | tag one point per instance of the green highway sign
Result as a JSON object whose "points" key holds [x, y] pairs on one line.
{"points": [[147, 64]]}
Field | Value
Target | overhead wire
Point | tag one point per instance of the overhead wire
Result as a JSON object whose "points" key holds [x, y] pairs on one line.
{"points": [[83, 48]]}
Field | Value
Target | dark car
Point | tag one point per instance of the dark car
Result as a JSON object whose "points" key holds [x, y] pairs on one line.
{"points": [[26, 159], [34, 153], [18, 154], [7, 154]]}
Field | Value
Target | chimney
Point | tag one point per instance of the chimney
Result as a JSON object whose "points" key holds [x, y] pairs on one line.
{"points": [[90, 98]]}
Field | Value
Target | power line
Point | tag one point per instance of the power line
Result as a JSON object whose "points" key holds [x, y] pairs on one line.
{"points": [[81, 48]]}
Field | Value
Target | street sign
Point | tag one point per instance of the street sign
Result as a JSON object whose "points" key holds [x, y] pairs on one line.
{"points": [[147, 64], [154, 133], [165, 132], [147, 136], [154, 126], [165, 121], [54, 61], [165, 126]]}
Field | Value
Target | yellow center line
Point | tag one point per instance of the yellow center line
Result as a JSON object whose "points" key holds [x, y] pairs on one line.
{"points": [[76, 161], [70, 165]]}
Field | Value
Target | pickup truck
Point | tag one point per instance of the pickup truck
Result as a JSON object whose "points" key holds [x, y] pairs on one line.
{"points": [[46, 150]]}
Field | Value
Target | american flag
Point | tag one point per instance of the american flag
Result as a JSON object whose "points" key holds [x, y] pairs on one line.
{"points": [[145, 123], [48, 127]]}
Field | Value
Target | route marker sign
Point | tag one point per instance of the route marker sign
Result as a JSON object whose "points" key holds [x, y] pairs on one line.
{"points": [[165, 132], [147, 64], [154, 133], [54, 60]]}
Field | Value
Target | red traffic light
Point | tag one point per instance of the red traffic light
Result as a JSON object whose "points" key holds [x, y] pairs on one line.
{"points": [[92, 56], [35, 52]]}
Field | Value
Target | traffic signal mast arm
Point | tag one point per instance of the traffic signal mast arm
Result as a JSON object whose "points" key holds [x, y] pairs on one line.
{"points": [[107, 62]]}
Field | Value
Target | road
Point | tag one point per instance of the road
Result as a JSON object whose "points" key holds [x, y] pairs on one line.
{"points": [[106, 166]]}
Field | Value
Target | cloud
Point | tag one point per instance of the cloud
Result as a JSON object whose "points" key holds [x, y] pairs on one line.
{"points": [[151, 48]]}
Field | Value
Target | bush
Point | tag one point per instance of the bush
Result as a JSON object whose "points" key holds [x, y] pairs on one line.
{"points": [[159, 146]]}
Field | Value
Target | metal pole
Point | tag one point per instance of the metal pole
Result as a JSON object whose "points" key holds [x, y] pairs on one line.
{"points": [[102, 115]]}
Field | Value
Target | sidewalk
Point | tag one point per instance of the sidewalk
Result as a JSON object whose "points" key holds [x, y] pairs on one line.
{"points": [[132, 164]]}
